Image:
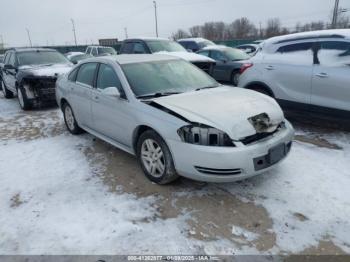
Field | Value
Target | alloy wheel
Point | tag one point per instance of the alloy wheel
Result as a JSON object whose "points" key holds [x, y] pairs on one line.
{"points": [[153, 158]]}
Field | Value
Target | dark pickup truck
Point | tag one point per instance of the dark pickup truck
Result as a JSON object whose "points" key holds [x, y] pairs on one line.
{"points": [[31, 74]]}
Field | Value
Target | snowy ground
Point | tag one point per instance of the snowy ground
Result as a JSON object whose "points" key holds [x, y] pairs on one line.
{"points": [[62, 194]]}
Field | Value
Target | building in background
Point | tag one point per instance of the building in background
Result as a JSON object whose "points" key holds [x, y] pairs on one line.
{"points": [[108, 42]]}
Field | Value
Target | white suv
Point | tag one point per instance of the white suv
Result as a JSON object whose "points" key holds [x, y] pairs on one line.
{"points": [[308, 71]]}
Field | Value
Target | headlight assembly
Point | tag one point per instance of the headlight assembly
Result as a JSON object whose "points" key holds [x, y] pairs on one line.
{"points": [[204, 135]]}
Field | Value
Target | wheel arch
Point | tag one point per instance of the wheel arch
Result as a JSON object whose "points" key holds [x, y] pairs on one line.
{"points": [[258, 84]]}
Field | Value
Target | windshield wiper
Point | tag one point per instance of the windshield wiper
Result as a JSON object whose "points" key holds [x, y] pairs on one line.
{"points": [[206, 87], [159, 94]]}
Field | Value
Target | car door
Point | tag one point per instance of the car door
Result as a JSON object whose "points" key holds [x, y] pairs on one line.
{"points": [[10, 74], [111, 115], [331, 77], [221, 68], [80, 93], [288, 72]]}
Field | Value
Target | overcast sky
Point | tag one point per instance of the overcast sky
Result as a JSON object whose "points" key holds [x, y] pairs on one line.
{"points": [[49, 20]]}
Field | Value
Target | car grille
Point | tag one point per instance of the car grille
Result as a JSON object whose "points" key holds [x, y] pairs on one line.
{"points": [[205, 66], [213, 171]]}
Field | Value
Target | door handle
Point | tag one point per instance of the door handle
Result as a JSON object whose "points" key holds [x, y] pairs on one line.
{"points": [[270, 67], [322, 75]]}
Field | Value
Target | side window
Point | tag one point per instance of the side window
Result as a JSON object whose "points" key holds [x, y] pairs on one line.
{"points": [[128, 48], [217, 55], [295, 47], [333, 53], [86, 74], [7, 57], [107, 77], [73, 75], [139, 48], [94, 51], [88, 50], [204, 52], [12, 59], [294, 54]]}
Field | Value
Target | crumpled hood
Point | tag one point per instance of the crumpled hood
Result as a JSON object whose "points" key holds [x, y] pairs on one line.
{"points": [[225, 108], [191, 57], [50, 70]]}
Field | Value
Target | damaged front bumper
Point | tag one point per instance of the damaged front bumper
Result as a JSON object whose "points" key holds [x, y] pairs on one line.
{"points": [[229, 164], [41, 90]]}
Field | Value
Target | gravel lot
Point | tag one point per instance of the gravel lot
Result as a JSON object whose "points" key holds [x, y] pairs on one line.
{"points": [[62, 194]]}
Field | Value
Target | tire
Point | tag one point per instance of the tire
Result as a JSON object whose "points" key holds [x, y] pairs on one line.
{"points": [[23, 100], [155, 158], [70, 121], [7, 93], [235, 78], [261, 90]]}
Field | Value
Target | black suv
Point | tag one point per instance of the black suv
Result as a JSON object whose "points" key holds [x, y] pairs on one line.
{"points": [[151, 45], [31, 73]]}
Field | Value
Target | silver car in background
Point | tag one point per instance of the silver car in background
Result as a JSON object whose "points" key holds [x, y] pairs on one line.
{"points": [[175, 118], [305, 71]]}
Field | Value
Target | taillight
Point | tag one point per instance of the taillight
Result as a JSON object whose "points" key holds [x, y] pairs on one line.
{"points": [[245, 67]]}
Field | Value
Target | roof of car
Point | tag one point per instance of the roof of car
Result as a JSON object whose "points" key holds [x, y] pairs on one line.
{"points": [[131, 59], [194, 39], [334, 33], [216, 47], [25, 49], [145, 38]]}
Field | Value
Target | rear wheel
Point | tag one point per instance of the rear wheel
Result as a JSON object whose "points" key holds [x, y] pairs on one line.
{"points": [[23, 100], [7, 93], [235, 78], [261, 90], [70, 120], [155, 158]]}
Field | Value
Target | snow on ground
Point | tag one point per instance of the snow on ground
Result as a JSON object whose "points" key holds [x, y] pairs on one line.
{"points": [[52, 200]]}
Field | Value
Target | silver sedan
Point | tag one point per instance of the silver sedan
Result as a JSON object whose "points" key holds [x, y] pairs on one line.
{"points": [[175, 118]]}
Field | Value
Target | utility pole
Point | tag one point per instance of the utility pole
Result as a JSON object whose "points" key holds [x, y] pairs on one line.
{"points": [[126, 32], [155, 14], [2, 42], [260, 29], [335, 14], [30, 40], [75, 36]]}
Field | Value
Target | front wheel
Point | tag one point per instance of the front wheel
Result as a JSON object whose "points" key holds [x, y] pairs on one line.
{"points": [[70, 120], [155, 158], [7, 93], [23, 100]]}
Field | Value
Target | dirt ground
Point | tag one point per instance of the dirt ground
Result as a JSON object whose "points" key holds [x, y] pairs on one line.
{"points": [[212, 213]]}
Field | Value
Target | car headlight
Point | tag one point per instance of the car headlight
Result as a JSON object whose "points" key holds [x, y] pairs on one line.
{"points": [[204, 135]]}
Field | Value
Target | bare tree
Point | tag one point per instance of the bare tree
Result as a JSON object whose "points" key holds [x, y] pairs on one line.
{"points": [[242, 28], [273, 27], [180, 34], [196, 31]]}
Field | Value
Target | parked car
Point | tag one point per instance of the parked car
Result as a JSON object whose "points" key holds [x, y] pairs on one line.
{"points": [[195, 44], [308, 71], [31, 73], [174, 117], [153, 45], [250, 49], [100, 51], [75, 57], [1, 66], [229, 62]]}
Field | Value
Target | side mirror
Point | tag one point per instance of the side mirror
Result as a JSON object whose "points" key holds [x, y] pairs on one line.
{"points": [[111, 91], [9, 67], [75, 62]]}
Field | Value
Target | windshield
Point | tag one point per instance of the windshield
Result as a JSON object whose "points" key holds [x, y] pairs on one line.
{"points": [[236, 54], [164, 45], [107, 50], [173, 76], [41, 58]]}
